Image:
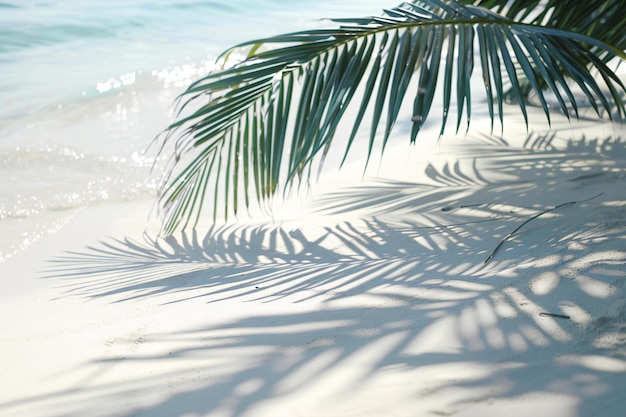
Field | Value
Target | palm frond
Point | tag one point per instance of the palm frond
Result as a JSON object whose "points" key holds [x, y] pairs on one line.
{"points": [[599, 19], [602, 20], [265, 120]]}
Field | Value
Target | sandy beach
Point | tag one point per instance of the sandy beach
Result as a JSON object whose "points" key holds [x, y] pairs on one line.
{"points": [[483, 276]]}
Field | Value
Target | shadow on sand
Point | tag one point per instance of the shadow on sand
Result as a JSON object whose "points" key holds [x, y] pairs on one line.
{"points": [[403, 310]]}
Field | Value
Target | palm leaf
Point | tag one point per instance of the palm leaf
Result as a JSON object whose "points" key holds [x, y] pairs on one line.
{"points": [[602, 20], [292, 91]]}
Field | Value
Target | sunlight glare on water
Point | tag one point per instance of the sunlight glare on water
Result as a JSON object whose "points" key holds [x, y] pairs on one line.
{"points": [[87, 85]]}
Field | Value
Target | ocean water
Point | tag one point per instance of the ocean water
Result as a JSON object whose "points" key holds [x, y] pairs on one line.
{"points": [[86, 85]]}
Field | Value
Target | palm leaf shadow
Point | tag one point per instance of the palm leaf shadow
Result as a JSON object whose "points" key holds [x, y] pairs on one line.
{"points": [[422, 317], [457, 210], [426, 307]]}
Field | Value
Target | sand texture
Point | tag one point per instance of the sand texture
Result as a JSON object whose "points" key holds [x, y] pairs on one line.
{"points": [[361, 298]]}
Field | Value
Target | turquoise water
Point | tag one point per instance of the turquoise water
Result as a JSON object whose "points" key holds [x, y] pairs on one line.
{"points": [[54, 48], [86, 85]]}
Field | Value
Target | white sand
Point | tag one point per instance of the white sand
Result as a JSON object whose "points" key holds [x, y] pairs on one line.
{"points": [[367, 299]]}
